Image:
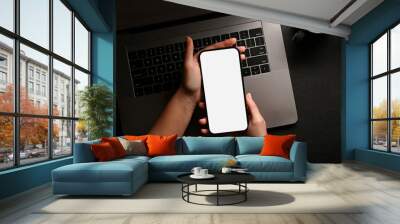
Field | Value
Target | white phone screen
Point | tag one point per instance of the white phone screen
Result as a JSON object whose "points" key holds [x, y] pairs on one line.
{"points": [[223, 90]]}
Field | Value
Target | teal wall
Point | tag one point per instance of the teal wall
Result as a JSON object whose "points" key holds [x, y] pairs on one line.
{"points": [[356, 86], [24, 178], [99, 15], [90, 12], [103, 51], [356, 105], [381, 159]]}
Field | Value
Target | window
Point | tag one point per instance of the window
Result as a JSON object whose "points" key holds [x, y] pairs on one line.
{"points": [[33, 147], [30, 72], [40, 62], [6, 142], [30, 87], [37, 90], [41, 124], [395, 47], [7, 85], [81, 45], [44, 91], [3, 72], [7, 14], [34, 21], [62, 137], [81, 81], [3, 61], [385, 91], [3, 78], [62, 74], [38, 74], [62, 30]]}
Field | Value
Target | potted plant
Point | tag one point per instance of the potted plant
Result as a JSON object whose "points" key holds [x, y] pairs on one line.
{"points": [[96, 103]]}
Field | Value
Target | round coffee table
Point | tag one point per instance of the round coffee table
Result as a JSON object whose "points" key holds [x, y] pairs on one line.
{"points": [[238, 179]]}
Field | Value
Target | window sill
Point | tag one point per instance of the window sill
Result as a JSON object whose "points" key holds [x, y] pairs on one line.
{"points": [[26, 167], [383, 152], [382, 159]]}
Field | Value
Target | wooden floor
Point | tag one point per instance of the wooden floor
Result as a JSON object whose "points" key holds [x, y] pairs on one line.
{"points": [[353, 182]]}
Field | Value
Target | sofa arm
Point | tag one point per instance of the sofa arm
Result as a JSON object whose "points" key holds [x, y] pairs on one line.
{"points": [[298, 155], [83, 152]]}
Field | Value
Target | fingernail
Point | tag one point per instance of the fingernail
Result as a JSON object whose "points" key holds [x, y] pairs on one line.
{"points": [[250, 95]]}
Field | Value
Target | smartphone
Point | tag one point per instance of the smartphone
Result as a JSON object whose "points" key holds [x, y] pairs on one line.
{"points": [[223, 90]]}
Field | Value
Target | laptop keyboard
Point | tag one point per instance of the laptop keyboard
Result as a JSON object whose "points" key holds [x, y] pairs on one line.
{"points": [[160, 68]]}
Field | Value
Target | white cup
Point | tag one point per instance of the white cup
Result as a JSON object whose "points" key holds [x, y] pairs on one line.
{"points": [[203, 172], [196, 171], [226, 170]]}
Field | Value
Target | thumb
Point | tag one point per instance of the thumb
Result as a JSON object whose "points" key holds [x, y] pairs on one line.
{"points": [[257, 125], [252, 107], [189, 49]]}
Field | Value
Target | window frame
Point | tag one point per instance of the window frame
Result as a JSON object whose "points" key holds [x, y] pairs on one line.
{"points": [[388, 74], [5, 59], [16, 114], [3, 74]]}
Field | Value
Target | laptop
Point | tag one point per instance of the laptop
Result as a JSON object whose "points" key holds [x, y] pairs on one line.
{"points": [[155, 60]]}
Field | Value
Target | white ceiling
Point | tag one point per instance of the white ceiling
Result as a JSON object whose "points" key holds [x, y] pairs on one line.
{"points": [[314, 15], [319, 9]]}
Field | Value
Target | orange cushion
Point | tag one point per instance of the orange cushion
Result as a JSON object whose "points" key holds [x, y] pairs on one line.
{"points": [[116, 145], [103, 152], [277, 145], [161, 145], [135, 137]]}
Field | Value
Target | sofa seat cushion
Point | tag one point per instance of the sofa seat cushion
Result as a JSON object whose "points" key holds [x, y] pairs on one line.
{"points": [[112, 171], [185, 163], [133, 157], [257, 163]]}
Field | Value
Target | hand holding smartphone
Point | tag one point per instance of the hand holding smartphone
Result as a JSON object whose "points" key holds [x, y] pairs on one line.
{"points": [[223, 90]]}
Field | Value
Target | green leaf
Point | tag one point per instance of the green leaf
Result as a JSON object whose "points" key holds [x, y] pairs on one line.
{"points": [[96, 102]]}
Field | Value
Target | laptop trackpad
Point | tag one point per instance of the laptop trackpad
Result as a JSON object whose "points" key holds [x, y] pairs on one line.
{"points": [[274, 97]]}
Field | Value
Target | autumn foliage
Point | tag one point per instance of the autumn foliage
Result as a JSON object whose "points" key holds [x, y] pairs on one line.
{"points": [[33, 131], [380, 127]]}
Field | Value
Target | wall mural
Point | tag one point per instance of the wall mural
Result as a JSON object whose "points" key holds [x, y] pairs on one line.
{"points": [[293, 77]]}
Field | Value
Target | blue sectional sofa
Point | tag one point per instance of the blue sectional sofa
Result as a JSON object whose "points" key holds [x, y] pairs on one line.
{"points": [[125, 176]]}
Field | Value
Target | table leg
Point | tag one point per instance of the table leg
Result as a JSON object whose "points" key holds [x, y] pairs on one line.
{"points": [[217, 194], [196, 187], [188, 189], [182, 190], [245, 193]]}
